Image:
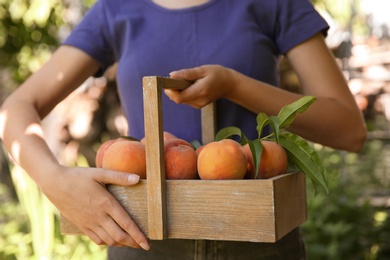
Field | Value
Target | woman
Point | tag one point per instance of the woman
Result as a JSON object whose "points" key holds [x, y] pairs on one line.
{"points": [[230, 49]]}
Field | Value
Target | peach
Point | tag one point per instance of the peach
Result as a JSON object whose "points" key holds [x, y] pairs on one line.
{"points": [[250, 172], [199, 149], [166, 135], [126, 156], [273, 161], [180, 159], [222, 160], [100, 152]]}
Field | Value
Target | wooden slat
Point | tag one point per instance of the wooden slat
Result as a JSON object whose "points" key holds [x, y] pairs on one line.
{"points": [[170, 83], [208, 123], [155, 164], [291, 210]]}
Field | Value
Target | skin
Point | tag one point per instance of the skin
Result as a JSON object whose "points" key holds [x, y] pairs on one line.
{"points": [[333, 120], [80, 194]]}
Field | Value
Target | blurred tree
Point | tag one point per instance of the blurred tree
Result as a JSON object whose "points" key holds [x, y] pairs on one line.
{"points": [[31, 29], [29, 32], [348, 14]]}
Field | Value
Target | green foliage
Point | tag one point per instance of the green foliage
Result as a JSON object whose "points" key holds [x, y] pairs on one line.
{"points": [[301, 155], [30, 227], [28, 34], [15, 240], [346, 224], [88, 3], [287, 113], [39, 211], [347, 14]]}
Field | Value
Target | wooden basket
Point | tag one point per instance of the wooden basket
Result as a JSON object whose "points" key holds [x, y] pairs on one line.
{"points": [[236, 210]]}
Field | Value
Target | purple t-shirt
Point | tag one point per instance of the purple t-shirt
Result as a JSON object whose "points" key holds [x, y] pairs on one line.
{"points": [[149, 40]]}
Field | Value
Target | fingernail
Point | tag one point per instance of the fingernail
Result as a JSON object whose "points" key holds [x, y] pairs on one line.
{"points": [[133, 178], [173, 73], [145, 246]]}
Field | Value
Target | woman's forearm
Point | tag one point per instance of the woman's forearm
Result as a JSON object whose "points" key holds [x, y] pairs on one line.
{"points": [[23, 137], [327, 121]]}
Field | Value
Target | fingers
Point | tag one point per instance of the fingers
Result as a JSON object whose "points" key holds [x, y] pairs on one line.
{"points": [[189, 74], [94, 210], [188, 97], [112, 235], [208, 85], [111, 225], [117, 228], [118, 178], [101, 237], [194, 95], [129, 232]]}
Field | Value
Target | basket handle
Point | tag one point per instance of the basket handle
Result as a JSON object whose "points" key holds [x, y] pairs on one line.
{"points": [[155, 164]]}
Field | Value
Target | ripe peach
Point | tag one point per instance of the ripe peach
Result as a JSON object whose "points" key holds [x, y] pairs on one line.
{"points": [[250, 172], [100, 152], [273, 161], [166, 135], [199, 149], [222, 160], [126, 156], [180, 159]]}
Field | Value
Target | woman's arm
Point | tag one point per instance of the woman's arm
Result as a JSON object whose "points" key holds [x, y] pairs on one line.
{"points": [[333, 120], [79, 193]]}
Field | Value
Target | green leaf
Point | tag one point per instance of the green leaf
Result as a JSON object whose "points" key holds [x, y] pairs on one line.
{"points": [[275, 124], [303, 156], [262, 120], [130, 138], [288, 112], [228, 132], [256, 149]]}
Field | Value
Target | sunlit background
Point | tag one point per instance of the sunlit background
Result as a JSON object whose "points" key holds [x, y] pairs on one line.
{"points": [[352, 222]]}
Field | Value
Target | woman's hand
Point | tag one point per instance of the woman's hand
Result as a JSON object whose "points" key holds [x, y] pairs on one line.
{"points": [[210, 83], [319, 76], [81, 196]]}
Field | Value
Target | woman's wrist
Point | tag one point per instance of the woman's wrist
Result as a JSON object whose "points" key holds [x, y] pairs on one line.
{"points": [[48, 176], [234, 81]]}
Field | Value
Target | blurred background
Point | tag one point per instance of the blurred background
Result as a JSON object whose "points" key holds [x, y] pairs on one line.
{"points": [[352, 222]]}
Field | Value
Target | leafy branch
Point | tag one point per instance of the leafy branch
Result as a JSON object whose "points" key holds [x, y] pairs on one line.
{"points": [[300, 153]]}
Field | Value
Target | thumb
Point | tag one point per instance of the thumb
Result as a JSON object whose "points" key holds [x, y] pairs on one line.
{"points": [[118, 178], [192, 74]]}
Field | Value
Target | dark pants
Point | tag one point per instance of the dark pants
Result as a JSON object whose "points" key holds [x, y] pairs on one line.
{"points": [[290, 246]]}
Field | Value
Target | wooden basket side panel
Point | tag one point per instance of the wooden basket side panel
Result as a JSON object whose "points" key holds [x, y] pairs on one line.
{"points": [[290, 203], [245, 210], [68, 228], [221, 210], [134, 200], [155, 157]]}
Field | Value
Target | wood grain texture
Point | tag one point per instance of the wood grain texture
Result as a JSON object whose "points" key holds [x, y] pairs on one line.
{"points": [[208, 123], [155, 164], [237, 210]]}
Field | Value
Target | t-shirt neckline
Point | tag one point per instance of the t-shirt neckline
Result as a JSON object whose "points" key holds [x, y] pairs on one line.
{"points": [[186, 9]]}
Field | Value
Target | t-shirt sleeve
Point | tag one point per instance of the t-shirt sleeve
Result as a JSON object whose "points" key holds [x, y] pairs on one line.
{"points": [[91, 35], [297, 21]]}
